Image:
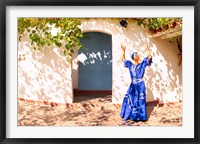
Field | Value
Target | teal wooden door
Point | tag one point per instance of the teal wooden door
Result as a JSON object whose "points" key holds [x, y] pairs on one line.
{"points": [[95, 68]]}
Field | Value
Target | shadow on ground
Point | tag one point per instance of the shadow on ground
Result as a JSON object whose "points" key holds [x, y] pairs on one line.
{"points": [[92, 111]]}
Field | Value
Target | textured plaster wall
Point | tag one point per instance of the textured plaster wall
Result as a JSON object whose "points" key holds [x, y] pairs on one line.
{"points": [[163, 79], [47, 76], [44, 75]]}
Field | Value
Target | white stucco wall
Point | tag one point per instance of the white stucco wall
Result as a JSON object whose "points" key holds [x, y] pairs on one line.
{"points": [[163, 79], [44, 75], [47, 76]]}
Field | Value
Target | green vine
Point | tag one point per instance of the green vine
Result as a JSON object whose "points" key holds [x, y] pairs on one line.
{"points": [[40, 32], [159, 24]]}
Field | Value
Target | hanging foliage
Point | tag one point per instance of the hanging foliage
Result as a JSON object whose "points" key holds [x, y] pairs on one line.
{"points": [[41, 34], [159, 24]]}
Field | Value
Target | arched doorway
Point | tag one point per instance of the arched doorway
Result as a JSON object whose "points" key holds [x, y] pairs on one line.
{"points": [[95, 64]]}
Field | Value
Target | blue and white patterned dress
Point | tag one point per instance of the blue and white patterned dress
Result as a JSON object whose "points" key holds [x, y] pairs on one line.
{"points": [[134, 103]]}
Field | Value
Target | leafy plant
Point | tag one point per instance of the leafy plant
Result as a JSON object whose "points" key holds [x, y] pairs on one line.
{"points": [[40, 32], [159, 24]]}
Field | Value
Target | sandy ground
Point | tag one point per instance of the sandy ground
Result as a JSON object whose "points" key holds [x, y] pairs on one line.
{"points": [[93, 111]]}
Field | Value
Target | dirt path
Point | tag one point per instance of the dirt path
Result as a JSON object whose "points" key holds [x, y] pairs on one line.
{"points": [[98, 111]]}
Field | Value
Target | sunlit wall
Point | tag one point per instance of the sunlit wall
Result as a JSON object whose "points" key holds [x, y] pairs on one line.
{"points": [[163, 78], [43, 75], [47, 76]]}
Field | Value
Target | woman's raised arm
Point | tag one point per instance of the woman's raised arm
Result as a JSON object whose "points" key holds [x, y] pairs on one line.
{"points": [[123, 47], [148, 51]]}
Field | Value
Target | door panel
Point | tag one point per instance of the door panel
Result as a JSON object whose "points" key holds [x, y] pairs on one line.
{"points": [[95, 62]]}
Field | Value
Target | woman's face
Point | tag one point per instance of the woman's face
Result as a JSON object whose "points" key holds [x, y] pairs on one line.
{"points": [[136, 57]]}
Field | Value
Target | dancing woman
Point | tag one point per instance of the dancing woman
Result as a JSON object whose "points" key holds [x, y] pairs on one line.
{"points": [[134, 102]]}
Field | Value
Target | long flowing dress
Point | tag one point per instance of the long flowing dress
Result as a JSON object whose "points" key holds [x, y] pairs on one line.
{"points": [[134, 102]]}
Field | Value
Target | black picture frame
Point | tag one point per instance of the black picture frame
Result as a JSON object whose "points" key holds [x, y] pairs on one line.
{"points": [[5, 3]]}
